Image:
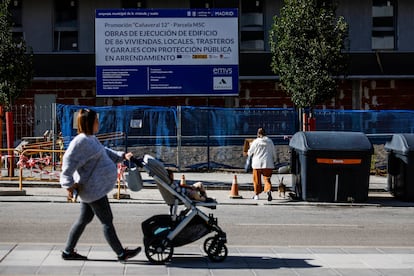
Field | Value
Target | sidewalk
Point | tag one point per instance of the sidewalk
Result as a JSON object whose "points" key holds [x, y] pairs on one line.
{"points": [[44, 259]]}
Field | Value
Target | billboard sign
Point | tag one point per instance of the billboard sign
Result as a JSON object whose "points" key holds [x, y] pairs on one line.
{"points": [[166, 52]]}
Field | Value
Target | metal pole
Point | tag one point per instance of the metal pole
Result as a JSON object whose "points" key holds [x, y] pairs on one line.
{"points": [[336, 187], [54, 127], [179, 133], [208, 134], [126, 125], [10, 141]]}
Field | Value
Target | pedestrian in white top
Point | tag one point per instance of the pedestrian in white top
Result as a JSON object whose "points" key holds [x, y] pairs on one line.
{"points": [[262, 151]]}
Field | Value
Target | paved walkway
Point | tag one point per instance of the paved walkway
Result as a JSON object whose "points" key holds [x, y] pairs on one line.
{"points": [[44, 259]]}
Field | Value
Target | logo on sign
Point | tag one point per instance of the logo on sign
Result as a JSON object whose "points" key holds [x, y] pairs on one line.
{"points": [[222, 71], [224, 13], [222, 83]]}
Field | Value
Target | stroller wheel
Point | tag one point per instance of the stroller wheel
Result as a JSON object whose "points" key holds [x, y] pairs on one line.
{"points": [[216, 249], [159, 250]]}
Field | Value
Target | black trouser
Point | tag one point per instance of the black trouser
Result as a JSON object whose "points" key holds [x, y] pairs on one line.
{"points": [[102, 210]]}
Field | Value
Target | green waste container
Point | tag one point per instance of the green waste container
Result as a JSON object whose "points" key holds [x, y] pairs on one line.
{"points": [[331, 166], [400, 166]]}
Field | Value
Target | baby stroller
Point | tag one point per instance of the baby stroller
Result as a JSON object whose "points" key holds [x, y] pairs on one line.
{"points": [[185, 223]]}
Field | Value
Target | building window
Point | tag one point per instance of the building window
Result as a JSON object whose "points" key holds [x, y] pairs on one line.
{"points": [[252, 30], [384, 25], [133, 4], [15, 10], [210, 4], [251, 26], [65, 35], [201, 4]]}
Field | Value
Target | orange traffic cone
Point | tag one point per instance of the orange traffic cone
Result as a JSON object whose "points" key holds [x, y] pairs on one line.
{"points": [[234, 193], [182, 183]]}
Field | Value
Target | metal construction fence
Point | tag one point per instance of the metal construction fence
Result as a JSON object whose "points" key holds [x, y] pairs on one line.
{"points": [[187, 136], [228, 126], [196, 126], [23, 120]]}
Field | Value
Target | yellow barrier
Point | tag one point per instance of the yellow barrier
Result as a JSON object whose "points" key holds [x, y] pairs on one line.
{"points": [[25, 156]]}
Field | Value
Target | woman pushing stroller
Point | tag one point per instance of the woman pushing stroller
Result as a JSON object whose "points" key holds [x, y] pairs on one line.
{"points": [[89, 170]]}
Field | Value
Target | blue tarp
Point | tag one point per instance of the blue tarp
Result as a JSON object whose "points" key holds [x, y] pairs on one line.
{"points": [[158, 126]]}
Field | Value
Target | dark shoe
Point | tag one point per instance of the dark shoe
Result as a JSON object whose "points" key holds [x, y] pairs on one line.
{"points": [[269, 196], [73, 256], [129, 253]]}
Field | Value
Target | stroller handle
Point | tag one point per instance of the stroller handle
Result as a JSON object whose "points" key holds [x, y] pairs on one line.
{"points": [[138, 161]]}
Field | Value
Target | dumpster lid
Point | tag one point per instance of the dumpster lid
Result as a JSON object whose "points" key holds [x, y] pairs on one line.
{"points": [[330, 140], [401, 143]]}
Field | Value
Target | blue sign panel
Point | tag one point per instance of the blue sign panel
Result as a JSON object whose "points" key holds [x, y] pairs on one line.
{"points": [[189, 52]]}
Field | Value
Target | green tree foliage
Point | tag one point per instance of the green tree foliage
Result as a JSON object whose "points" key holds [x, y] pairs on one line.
{"points": [[16, 61], [307, 43]]}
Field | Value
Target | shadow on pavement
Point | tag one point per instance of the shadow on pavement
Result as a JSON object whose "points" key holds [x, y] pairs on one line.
{"points": [[241, 262], [389, 202]]}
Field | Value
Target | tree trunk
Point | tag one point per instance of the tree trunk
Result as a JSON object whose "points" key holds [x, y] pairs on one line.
{"points": [[300, 119], [305, 121]]}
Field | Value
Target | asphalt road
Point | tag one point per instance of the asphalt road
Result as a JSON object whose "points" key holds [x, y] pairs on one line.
{"points": [[279, 225]]}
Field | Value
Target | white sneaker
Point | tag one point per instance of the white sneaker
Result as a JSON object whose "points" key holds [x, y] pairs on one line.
{"points": [[256, 197]]}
